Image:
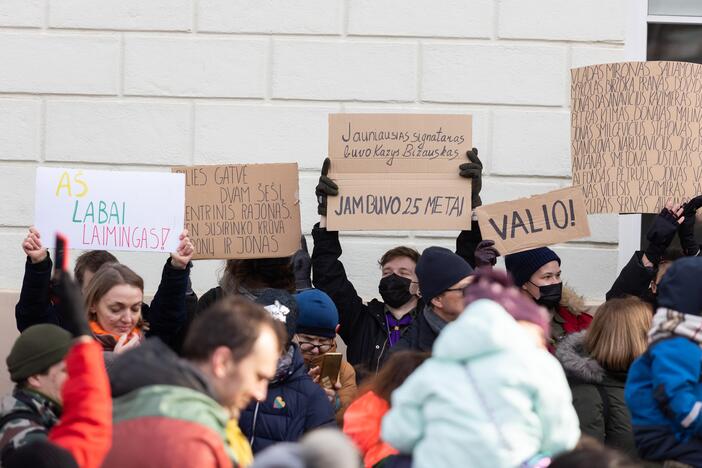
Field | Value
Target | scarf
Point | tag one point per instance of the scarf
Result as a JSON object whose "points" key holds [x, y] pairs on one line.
{"points": [[239, 444], [285, 366], [395, 327], [668, 322], [108, 340], [435, 322]]}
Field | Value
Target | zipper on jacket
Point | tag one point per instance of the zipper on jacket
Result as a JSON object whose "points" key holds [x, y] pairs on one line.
{"points": [[253, 426]]}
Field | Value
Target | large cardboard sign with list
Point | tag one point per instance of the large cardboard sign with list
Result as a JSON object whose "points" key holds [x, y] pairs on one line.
{"points": [[242, 210], [636, 134], [110, 210], [399, 171], [538, 221]]}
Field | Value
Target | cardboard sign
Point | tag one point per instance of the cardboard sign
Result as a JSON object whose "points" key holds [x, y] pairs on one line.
{"points": [[110, 210], [636, 134], [538, 221], [399, 171], [242, 211]]}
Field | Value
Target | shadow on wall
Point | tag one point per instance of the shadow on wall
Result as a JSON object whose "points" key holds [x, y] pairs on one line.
{"points": [[8, 335]]}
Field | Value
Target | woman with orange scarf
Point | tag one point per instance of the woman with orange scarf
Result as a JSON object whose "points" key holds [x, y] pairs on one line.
{"points": [[113, 301]]}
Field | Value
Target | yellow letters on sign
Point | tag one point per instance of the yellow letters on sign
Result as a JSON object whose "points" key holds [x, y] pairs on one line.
{"points": [[65, 182]]}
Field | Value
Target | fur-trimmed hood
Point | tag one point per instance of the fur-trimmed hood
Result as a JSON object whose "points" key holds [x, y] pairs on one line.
{"points": [[573, 301], [575, 360]]}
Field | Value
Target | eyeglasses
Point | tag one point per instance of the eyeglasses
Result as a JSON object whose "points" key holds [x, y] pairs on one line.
{"points": [[306, 346]]}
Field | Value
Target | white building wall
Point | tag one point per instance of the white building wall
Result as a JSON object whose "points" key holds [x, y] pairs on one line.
{"points": [[133, 84]]}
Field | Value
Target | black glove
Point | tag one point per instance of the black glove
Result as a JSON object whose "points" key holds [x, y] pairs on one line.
{"points": [[686, 231], [661, 234], [67, 293], [486, 254], [302, 266], [326, 187], [474, 171]]}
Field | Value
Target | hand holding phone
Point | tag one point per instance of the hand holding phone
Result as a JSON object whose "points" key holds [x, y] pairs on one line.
{"points": [[331, 365]]}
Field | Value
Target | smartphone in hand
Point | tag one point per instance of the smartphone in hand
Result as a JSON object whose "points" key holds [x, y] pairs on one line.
{"points": [[329, 373], [61, 256]]}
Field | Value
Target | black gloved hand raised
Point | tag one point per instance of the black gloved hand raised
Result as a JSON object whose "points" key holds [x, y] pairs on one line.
{"points": [[474, 171], [486, 254], [302, 266], [661, 234], [67, 292], [686, 231], [326, 187]]}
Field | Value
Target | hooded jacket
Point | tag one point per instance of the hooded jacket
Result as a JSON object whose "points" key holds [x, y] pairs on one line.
{"points": [[598, 396], [164, 400], [488, 397], [664, 386], [293, 406]]}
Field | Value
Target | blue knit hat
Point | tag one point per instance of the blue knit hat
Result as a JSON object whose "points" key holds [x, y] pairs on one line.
{"points": [[438, 269], [524, 264], [318, 315]]}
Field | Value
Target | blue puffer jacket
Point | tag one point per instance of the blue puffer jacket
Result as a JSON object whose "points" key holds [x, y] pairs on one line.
{"points": [[664, 386], [293, 406], [663, 390]]}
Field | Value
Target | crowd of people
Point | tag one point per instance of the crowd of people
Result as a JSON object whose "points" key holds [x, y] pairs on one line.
{"points": [[458, 363]]}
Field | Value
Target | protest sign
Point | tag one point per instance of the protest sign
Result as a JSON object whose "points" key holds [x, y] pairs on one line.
{"points": [[528, 223], [635, 134], [110, 210], [399, 171], [242, 211]]}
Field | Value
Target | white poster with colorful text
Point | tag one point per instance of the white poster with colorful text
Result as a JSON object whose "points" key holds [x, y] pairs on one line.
{"points": [[110, 210]]}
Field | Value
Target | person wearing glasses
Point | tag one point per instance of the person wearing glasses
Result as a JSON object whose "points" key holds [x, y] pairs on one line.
{"points": [[315, 333], [442, 276]]}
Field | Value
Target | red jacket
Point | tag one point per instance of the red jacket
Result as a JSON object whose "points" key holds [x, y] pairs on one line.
{"points": [[85, 427], [362, 422]]}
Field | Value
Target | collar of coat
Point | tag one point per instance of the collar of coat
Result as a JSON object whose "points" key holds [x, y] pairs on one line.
{"points": [[573, 301], [575, 360]]}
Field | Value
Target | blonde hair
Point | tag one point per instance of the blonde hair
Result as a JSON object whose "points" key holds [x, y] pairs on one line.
{"points": [[618, 332]]}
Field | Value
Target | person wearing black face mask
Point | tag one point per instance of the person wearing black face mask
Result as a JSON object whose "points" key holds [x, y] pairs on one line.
{"points": [[371, 329], [538, 273]]}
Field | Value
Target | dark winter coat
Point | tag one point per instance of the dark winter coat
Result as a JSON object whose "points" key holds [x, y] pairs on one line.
{"points": [[598, 396], [420, 336], [294, 405], [363, 326], [633, 280], [167, 315]]}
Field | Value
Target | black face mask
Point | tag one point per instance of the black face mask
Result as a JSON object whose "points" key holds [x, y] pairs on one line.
{"points": [[394, 290], [550, 295]]}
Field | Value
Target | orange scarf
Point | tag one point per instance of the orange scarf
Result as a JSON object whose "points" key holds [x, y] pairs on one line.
{"points": [[107, 339]]}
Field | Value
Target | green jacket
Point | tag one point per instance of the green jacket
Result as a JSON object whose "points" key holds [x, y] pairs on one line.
{"points": [[598, 396], [488, 397], [25, 416]]}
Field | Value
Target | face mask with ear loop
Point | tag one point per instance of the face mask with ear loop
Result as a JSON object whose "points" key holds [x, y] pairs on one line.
{"points": [[549, 295]]}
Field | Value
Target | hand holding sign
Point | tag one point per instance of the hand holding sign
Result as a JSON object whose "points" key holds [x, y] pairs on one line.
{"points": [[538, 221], [184, 253], [33, 247], [325, 188], [474, 171]]}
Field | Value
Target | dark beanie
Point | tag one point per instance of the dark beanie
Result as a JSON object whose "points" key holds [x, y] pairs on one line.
{"points": [[680, 289], [317, 314], [37, 348], [282, 306], [39, 454], [524, 264], [438, 269]]}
